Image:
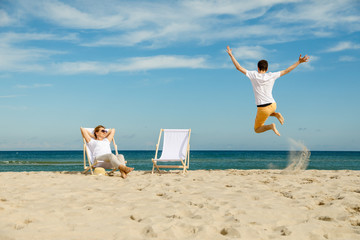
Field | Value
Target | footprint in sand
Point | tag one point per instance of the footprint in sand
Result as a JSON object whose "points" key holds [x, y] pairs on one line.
{"points": [[164, 195], [149, 232], [174, 216], [230, 232], [135, 218], [325, 218], [284, 231]]}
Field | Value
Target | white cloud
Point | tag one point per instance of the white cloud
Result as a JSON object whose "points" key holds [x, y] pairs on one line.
{"points": [[341, 46], [157, 23], [92, 15], [81, 67], [35, 85], [347, 59], [22, 60], [30, 59], [129, 39], [14, 108], [132, 64], [163, 62], [160, 23], [9, 96], [13, 37], [250, 52], [13, 58], [317, 14], [69, 16], [5, 19], [208, 21]]}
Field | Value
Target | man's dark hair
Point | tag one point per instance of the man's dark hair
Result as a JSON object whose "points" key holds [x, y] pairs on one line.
{"points": [[263, 65]]}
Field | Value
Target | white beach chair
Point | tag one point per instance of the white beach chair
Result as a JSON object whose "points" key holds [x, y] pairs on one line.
{"points": [[176, 148], [90, 161]]}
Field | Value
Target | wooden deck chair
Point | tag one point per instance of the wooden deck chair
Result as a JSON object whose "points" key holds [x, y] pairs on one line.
{"points": [[176, 148], [91, 163]]}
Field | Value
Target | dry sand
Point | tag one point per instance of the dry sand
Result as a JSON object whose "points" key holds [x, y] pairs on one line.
{"points": [[228, 204]]}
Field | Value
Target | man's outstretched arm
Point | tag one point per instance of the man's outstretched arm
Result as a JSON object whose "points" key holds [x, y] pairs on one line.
{"points": [[292, 67], [237, 65]]}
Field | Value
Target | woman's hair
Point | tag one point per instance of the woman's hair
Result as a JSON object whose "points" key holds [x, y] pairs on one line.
{"points": [[97, 129]]}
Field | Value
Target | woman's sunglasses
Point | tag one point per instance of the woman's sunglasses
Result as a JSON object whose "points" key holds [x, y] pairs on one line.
{"points": [[103, 131]]}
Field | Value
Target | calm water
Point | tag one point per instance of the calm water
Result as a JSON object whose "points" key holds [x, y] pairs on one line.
{"points": [[73, 160]]}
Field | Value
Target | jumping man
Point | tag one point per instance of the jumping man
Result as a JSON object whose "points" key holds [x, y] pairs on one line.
{"points": [[263, 83]]}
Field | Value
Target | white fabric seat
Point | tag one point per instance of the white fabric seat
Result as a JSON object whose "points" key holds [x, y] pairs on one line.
{"points": [[176, 148]]}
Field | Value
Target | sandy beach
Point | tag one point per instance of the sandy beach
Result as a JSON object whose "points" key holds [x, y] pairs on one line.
{"points": [[221, 204]]}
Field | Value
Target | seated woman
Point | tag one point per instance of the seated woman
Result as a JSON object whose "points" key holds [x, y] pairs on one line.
{"points": [[99, 144]]}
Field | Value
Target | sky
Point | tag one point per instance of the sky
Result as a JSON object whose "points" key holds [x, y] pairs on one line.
{"points": [[139, 66]]}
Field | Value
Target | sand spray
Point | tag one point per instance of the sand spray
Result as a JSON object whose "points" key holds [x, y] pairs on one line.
{"points": [[298, 157]]}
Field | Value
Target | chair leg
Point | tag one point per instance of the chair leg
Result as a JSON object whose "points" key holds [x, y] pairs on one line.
{"points": [[111, 172], [86, 170], [153, 168], [157, 168], [184, 166], [91, 167]]}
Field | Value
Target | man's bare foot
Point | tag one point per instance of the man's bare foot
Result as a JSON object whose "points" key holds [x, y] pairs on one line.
{"points": [[273, 127], [279, 117]]}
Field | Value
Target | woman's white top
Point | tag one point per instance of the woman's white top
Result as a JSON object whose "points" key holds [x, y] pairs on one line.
{"points": [[98, 147]]}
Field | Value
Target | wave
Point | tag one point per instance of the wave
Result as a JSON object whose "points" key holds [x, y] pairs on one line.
{"points": [[13, 162], [299, 156]]}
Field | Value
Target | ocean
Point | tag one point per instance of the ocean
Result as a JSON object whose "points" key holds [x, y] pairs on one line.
{"points": [[18, 161]]}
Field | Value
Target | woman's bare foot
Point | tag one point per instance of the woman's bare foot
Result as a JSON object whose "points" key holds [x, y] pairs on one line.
{"points": [[123, 174], [128, 169], [273, 127], [125, 171]]}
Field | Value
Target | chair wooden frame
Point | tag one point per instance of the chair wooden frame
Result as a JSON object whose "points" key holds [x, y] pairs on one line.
{"points": [[185, 163], [86, 154]]}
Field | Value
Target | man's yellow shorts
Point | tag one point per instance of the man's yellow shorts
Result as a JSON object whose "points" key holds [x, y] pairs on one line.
{"points": [[263, 113]]}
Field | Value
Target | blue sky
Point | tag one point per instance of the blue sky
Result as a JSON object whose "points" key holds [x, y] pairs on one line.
{"points": [[139, 66]]}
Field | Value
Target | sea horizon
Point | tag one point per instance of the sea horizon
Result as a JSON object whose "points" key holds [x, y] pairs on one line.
{"points": [[210, 150], [73, 160]]}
